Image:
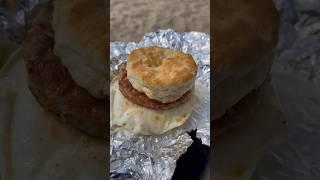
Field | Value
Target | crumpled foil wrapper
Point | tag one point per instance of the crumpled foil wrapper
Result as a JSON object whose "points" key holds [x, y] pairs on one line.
{"points": [[154, 157], [296, 80], [298, 50], [15, 18]]}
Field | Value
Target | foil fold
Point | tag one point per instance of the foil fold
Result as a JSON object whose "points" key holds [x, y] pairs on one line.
{"points": [[154, 157], [298, 50], [15, 18]]}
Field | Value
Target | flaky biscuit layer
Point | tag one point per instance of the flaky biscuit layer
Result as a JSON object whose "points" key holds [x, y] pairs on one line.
{"points": [[161, 73]]}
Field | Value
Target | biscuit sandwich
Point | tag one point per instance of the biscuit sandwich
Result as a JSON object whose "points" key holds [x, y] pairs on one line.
{"points": [[154, 91], [247, 115], [66, 51], [245, 34]]}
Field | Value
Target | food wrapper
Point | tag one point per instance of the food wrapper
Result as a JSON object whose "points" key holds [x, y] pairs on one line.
{"points": [[15, 18], [33, 143], [296, 157], [154, 157], [296, 80], [298, 49]]}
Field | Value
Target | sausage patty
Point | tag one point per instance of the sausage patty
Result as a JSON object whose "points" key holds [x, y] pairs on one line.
{"points": [[141, 99]]}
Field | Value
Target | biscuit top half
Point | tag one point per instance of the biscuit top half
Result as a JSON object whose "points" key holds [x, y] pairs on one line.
{"points": [[162, 74], [243, 32]]}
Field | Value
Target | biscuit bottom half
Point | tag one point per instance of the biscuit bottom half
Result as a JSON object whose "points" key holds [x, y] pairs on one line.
{"points": [[125, 114]]}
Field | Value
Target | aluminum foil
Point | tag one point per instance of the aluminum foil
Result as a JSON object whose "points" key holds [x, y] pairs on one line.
{"points": [[296, 80], [298, 51], [154, 157], [15, 17]]}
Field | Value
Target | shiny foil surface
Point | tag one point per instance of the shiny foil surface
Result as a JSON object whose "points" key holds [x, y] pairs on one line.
{"points": [[154, 157]]}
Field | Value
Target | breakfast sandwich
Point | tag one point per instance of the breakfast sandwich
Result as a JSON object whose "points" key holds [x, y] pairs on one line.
{"points": [[67, 63], [245, 34], [246, 113], [154, 91]]}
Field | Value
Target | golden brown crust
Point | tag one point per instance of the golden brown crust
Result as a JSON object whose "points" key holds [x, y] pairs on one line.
{"points": [[161, 67], [141, 99], [243, 31]]}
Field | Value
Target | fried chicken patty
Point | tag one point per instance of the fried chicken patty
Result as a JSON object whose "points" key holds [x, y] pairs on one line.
{"points": [[141, 99], [55, 90]]}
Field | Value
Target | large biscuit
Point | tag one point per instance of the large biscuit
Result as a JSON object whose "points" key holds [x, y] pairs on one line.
{"points": [[80, 32], [52, 85], [161, 73], [244, 35]]}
